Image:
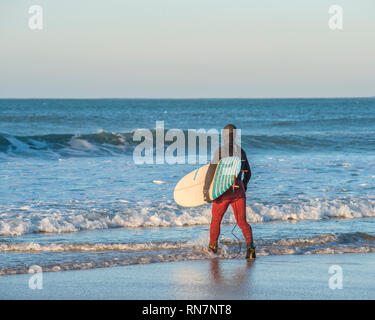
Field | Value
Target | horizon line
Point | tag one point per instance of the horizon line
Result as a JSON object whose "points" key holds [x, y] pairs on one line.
{"points": [[186, 98]]}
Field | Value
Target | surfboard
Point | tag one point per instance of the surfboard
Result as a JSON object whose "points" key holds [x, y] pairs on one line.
{"points": [[189, 190]]}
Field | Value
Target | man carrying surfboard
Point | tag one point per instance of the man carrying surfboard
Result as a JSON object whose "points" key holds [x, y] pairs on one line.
{"points": [[235, 196]]}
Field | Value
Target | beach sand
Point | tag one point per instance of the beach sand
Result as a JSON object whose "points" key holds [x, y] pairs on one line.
{"points": [[270, 277]]}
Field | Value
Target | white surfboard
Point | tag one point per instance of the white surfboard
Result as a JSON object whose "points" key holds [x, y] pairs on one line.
{"points": [[189, 190]]}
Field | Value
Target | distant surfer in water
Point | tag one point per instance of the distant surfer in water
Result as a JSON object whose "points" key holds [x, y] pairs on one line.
{"points": [[235, 196]]}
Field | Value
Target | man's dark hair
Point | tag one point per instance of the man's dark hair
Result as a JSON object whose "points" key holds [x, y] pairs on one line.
{"points": [[230, 132], [230, 127]]}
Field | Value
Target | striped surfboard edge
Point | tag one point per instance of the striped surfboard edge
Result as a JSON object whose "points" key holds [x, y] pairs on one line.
{"points": [[227, 171]]}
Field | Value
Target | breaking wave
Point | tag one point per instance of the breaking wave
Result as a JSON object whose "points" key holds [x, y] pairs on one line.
{"points": [[65, 145], [40, 218], [151, 252], [105, 143]]}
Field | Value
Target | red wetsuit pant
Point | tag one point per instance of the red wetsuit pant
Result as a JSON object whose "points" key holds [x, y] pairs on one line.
{"points": [[237, 198]]}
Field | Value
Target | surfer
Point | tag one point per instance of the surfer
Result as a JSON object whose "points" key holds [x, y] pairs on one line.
{"points": [[235, 196]]}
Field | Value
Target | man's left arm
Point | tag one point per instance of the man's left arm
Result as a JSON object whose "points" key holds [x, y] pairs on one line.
{"points": [[246, 168]]}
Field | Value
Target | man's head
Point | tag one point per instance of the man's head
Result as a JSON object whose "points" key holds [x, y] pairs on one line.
{"points": [[229, 133]]}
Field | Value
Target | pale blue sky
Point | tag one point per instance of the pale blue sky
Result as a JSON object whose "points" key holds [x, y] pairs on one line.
{"points": [[187, 49]]}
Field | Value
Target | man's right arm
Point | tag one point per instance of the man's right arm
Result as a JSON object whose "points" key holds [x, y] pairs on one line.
{"points": [[207, 183], [210, 175]]}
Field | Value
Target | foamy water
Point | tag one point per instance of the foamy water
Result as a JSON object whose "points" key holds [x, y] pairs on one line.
{"points": [[122, 254], [36, 218]]}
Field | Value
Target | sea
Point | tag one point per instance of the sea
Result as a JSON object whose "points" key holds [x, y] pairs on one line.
{"points": [[72, 197]]}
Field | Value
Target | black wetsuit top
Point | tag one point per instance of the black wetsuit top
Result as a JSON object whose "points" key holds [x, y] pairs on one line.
{"points": [[220, 153]]}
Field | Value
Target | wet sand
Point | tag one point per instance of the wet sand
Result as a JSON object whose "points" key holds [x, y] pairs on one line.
{"points": [[271, 277]]}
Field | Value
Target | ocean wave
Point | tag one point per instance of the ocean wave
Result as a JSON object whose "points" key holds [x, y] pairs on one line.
{"points": [[39, 218], [151, 252], [324, 122], [105, 143], [87, 247], [65, 145], [311, 142], [266, 247]]}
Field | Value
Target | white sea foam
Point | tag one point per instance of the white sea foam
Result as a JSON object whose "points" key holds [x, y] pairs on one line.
{"points": [[87, 247], [151, 252], [81, 144], [312, 210], [158, 182], [351, 240], [18, 145], [31, 219], [346, 165]]}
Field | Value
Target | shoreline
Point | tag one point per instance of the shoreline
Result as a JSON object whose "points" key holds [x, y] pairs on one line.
{"points": [[269, 277]]}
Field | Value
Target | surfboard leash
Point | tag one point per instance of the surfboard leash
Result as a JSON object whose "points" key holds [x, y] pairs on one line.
{"points": [[239, 242]]}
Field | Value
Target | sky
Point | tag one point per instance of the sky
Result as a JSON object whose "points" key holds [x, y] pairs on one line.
{"points": [[187, 49]]}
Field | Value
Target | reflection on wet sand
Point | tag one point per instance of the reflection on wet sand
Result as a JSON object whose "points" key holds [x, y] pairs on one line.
{"points": [[236, 278]]}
